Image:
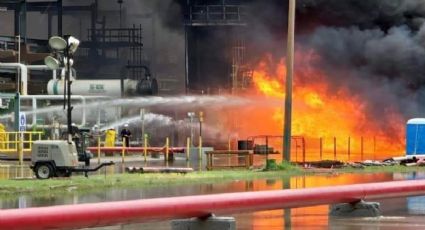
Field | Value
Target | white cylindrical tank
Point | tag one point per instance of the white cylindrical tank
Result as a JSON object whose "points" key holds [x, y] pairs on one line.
{"points": [[94, 87]]}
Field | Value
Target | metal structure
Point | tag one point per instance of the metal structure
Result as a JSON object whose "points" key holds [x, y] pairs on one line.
{"points": [[101, 42], [112, 213], [211, 13], [223, 14]]}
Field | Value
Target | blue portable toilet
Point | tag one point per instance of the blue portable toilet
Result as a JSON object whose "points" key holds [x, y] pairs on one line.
{"points": [[415, 136]]}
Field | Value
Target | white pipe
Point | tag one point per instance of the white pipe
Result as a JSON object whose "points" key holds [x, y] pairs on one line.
{"points": [[34, 108], [38, 67], [34, 99], [83, 99], [42, 67], [24, 74]]}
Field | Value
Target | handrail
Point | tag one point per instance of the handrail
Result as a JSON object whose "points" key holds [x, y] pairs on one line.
{"points": [[113, 213], [10, 141]]}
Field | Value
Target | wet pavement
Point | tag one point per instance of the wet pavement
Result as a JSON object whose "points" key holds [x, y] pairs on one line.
{"points": [[401, 213]]}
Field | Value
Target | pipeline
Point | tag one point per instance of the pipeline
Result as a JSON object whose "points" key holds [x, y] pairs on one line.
{"points": [[24, 73], [113, 213], [23, 77]]}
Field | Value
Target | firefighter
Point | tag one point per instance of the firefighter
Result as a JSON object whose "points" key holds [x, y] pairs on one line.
{"points": [[125, 135], [110, 137]]}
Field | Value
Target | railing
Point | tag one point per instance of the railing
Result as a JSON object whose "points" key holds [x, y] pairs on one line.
{"points": [[113, 213], [217, 14], [346, 149], [10, 141]]}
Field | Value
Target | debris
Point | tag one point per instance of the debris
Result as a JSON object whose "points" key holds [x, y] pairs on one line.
{"points": [[157, 170]]}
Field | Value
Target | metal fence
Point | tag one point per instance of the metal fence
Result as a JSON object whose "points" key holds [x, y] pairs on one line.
{"points": [[336, 148]]}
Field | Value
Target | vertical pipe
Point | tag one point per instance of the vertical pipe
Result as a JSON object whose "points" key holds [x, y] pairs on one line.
{"points": [[374, 147], [123, 150], [321, 148], [145, 146], [361, 149], [267, 152], [186, 57], [209, 161], [30, 141], [289, 75], [334, 148], [7, 142], [49, 24], [17, 19], [303, 146], [23, 31], [21, 148], [200, 148], [349, 148], [98, 149], [187, 148], [60, 14], [229, 155], [167, 148], [69, 82], [34, 108]]}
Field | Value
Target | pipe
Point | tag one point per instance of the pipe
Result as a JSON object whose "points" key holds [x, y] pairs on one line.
{"points": [[42, 67], [34, 99], [24, 74], [113, 213]]}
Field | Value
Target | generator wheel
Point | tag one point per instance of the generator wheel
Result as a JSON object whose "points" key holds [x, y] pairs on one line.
{"points": [[43, 171]]}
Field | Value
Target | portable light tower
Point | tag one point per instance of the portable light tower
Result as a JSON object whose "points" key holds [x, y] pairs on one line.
{"points": [[64, 50]]}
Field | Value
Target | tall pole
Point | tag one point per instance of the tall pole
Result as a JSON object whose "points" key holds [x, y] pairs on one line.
{"points": [[69, 82], [289, 75]]}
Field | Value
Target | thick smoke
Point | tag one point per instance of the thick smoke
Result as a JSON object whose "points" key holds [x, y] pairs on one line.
{"points": [[376, 48]]}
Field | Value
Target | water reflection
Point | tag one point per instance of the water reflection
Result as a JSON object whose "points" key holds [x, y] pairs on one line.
{"points": [[315, 217]]}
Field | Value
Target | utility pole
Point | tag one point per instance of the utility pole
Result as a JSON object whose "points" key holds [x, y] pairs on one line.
{"points": [[289, 76]]}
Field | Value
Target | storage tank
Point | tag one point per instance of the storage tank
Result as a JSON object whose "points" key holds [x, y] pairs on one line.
{"points": [[415, 136], [105, 87]]}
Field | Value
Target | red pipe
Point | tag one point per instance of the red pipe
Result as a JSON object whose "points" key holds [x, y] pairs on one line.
{"points": [[137, 149], [113, 213]]}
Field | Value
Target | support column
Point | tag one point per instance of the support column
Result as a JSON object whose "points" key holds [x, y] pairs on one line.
{"points": [[21, 20], [359, 209], [211, 223], [59, 8]]}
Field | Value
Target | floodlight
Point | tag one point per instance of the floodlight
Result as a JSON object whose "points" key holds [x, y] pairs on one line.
{"points": [[57, 43], [73, 44], [52, 62]]}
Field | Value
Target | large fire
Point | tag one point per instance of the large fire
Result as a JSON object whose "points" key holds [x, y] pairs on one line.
{"points": [[319, 111]]}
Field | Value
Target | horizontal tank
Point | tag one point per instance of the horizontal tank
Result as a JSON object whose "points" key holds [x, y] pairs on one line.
{"points": [[110, 88]]}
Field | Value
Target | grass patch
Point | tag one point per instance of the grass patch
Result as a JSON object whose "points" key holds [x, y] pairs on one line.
{"points": [[271, 165], [98, 182]]}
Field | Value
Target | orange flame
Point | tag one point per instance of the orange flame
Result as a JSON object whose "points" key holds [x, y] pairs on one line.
{"points": [[320, 111]]}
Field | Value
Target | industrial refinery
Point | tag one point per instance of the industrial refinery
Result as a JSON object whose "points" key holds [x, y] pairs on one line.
{"points": [[212, 114]]}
